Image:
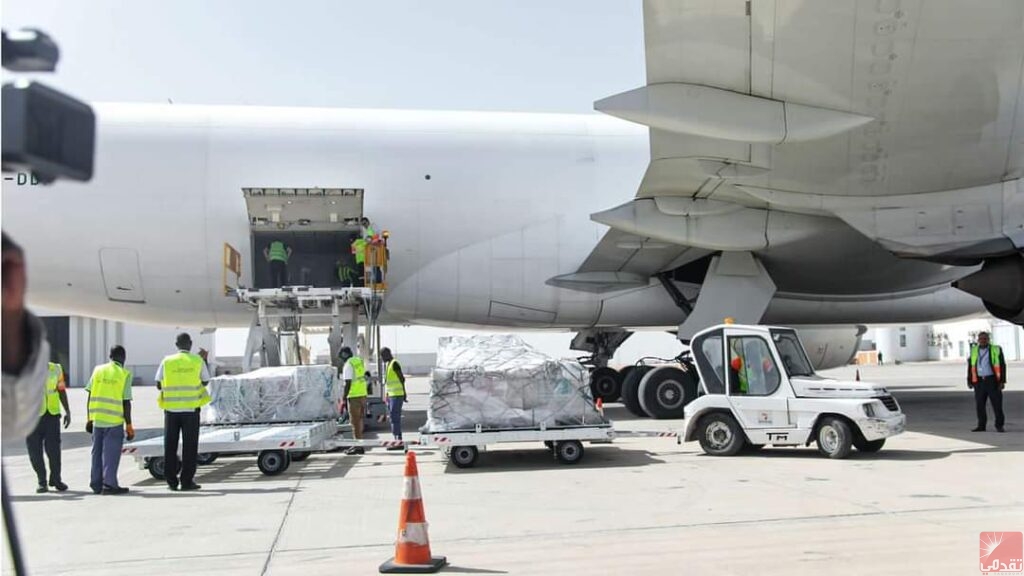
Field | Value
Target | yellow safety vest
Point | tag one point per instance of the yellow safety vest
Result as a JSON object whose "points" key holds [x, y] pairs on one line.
{"points": [[278, 251], [359, 249], [182, 386], [51, 399], [358, 387], [393, 385], [106, 394], [994, 352]]}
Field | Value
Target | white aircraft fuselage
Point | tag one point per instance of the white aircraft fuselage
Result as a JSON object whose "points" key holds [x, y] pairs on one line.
{"points": [[482, 209]]}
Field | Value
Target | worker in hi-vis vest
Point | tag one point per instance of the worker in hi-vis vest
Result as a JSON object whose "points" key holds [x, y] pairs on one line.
{"points": [[181, 379], [359, 252], [353, 373], [986, 374], [110, 420], [394, 391], [47, 433], [278, 253], [367, 230]]}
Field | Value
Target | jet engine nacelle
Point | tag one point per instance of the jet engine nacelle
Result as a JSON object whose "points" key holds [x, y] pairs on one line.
{"points": [[1000, 285], [830, 346]]}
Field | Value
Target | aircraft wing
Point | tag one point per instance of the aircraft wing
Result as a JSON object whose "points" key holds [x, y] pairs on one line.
{"points": [[771, 120]]}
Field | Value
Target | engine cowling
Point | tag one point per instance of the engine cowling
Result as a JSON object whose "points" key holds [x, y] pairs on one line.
{"points": [[830, 346], [1000, 285]]}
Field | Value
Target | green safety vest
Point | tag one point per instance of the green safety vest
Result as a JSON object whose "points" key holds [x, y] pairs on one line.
{"points": [[278, 251], [994, 354], [346, 274], [51, 398], [358, 387], [370, 232], [182, 387], [393, 385], [106, 394], [359, 249]]}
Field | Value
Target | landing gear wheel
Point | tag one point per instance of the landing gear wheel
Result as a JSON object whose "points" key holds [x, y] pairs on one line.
{"points": [[206, 458], [156, 467], [606, 384], [273, 462], [835, 439], [569, 451], [720, 435], [868, 446], [630, 390], [299, 456], [464, 456], [665, 391]]}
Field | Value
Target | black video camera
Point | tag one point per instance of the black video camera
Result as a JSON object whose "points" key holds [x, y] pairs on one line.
{"points": [[45, 132]]}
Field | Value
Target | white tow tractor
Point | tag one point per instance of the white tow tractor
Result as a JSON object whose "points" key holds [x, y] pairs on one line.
{"points": [[758, 387]]}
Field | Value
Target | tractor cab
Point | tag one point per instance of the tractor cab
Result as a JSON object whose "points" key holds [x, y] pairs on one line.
{"points": [[759, 387]]}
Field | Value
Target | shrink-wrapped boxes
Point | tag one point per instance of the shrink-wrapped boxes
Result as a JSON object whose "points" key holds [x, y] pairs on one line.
{"points": [[500, 382], [275, 394]]}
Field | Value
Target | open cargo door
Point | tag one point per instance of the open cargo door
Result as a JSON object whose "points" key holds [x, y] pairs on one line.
{"points": [[318, 224]]}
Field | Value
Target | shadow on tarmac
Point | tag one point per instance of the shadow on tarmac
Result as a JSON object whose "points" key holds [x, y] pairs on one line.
{"points": [[950, 413], [540, 458]]}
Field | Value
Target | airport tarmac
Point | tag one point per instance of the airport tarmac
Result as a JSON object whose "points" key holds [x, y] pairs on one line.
{"points": [[638, 506]]}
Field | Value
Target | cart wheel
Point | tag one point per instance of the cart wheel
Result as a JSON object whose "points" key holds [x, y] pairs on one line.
{"points": [[299, 456], [273, 462], [156, 467], [464, 456], [569, 451], [206, 458]]}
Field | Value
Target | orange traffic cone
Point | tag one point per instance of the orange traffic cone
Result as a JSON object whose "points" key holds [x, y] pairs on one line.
{"points": [[412, 550], [599, 405]]}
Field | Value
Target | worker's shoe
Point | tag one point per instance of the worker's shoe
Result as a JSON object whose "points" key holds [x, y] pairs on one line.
{"points": [[172, 487], [42, 489], [114, 490], [978, 429], [190, 487], [1000, 429], [59, 486]]}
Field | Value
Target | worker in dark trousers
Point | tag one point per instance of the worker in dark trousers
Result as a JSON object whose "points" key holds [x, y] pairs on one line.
{"points": [[278, 254], [47, 432], [986, 374], [182, 379], [394, 389]]}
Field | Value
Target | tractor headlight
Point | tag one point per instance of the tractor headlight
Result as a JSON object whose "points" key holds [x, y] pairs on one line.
{"points": [[869, 409]]}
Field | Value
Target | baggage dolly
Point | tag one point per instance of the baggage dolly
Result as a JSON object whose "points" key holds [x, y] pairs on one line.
{"points": [[276, 445], [463, 447]]}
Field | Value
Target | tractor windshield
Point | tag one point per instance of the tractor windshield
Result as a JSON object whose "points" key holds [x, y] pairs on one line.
{"points": [[794, 359]]}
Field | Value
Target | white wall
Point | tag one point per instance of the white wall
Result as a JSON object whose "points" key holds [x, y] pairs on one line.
{"points": [[901, 343]]}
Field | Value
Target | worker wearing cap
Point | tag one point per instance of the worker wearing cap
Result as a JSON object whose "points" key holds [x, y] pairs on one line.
{"points": [[110, 420], [278, 253], [181, 379], [47, 432], [394, 389], [353, 373], [986, 374]]}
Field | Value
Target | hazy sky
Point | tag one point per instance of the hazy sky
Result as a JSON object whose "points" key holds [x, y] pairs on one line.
{"points": [[523, 55]]}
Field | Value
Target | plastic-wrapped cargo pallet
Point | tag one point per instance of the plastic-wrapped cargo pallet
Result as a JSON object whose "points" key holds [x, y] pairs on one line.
{"points": [[275, 394], [501, 382]]}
